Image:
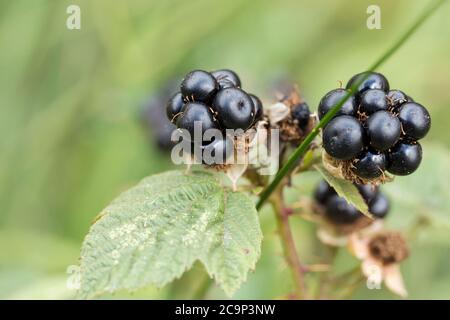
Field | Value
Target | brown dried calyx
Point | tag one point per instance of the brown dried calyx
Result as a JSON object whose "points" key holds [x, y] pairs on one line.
{"points": [[388, 247], [343, 169], [290, 130]]}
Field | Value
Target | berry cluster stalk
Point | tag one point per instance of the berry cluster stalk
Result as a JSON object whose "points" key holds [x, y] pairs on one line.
{"points": [[303, 147], [288, 243]]}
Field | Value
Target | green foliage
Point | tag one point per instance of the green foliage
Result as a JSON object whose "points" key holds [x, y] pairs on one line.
{"points": [[154, 232], [345, 189]]}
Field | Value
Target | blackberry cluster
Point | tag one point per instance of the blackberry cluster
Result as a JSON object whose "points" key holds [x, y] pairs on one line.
{"points": [[217, 101], [337, 210], [376, 130]]}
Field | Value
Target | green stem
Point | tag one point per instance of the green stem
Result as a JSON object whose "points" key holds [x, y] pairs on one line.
{"points": [[288, 244], [303, 147]]}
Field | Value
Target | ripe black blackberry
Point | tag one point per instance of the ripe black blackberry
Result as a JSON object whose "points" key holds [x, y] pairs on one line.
{"points": [[216, 101], [375, 131], [338, 211]]}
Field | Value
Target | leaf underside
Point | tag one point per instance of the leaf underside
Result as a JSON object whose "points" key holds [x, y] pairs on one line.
{"points": [[152, 233]]}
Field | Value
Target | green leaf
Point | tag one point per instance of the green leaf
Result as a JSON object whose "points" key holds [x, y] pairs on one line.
{"points": [[154, 232], [345, 189]]}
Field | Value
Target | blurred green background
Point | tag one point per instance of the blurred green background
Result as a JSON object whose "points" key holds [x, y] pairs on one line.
{"points": [[72, 139]]}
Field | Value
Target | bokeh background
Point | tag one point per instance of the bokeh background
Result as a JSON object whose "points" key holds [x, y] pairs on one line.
{"points": [[72, 137]]}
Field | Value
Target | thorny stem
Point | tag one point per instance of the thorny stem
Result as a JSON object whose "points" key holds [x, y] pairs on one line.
{"points": [[287, 241], [304, 146]]}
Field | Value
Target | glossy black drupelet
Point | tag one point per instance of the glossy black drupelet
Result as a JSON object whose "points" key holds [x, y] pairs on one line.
{"points": [[373, 81], [404, 158], [258, 108], [396, 97], [369, 164], [343, 138], [226, 78], [415, 119], [199, 86], [332, 98], [235, 108], [196, 112], [373, 100], [383, 130]]}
